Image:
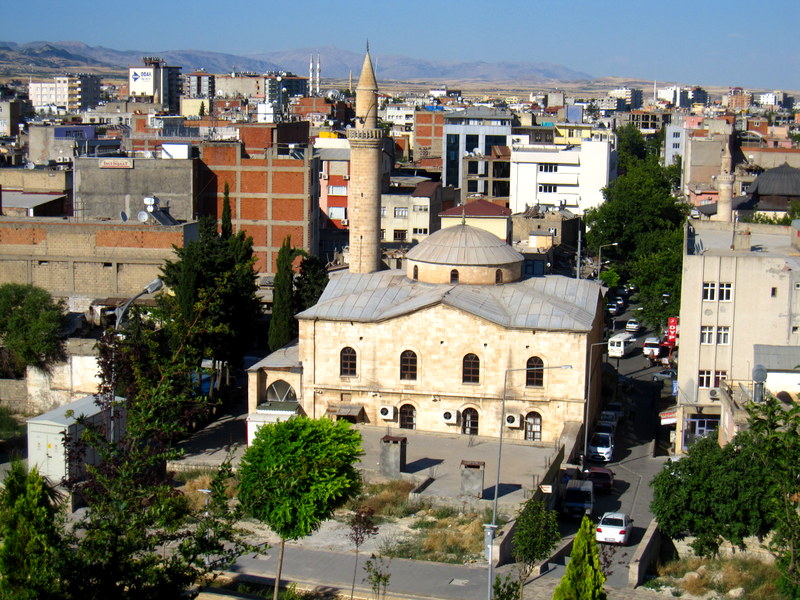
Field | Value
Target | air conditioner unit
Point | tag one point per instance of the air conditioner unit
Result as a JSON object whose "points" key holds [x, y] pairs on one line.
{"points": [[324, 176], [450, 417], [347, 177], [387, 412], [345, 222], [513, 421], [714, 393]]}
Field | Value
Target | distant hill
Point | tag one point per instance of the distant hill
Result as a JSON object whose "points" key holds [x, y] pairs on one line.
{"points": [[41, 57]]}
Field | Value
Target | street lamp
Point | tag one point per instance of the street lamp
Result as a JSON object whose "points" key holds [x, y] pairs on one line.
{"points": [[600, 256], [490, 528], [588, 398], [119, 312]]}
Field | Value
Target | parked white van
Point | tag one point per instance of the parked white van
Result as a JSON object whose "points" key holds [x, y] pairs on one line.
{"points": [[621, 345]]}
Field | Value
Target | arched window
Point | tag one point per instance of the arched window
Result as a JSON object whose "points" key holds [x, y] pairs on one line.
{"points": [[469, 421], [498, 276], [454, 276], [408, 364], [347, 362], [471, 369], [416, 272], [280, 391], [408, 417], [534, 377], [533, 427]]}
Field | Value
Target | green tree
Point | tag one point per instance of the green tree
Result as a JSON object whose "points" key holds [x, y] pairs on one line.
{"points": [[310, 282], [222, 267], [631, 146], [712, 493], [657, 275], [283, 325], [296, 473], [535, 536], [202, 111], [583, 580], [774, 437], [32, 550], [31, 327], [140, 539]]}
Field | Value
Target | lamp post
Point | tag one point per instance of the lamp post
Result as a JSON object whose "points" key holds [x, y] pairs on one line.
{"points": [[119, 312], [588, 398], [600, 256], [490, 528]]}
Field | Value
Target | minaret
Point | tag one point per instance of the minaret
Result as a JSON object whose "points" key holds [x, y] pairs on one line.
{"points": [[725, 186], [366, 149]]}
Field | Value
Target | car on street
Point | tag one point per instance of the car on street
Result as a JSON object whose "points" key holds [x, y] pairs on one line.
{"points": [[612, 308], [601, 447], [605, 427], [665, 375], [614, 528], [601, 478], [617, 408], [608, 416], [632, 326], [620, 302]]}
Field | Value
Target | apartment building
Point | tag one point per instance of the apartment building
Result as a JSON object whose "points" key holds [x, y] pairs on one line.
{"points": [[156, 82], [550, 175], [10, 117], [71, 93], [740, 288], [472, 130]]}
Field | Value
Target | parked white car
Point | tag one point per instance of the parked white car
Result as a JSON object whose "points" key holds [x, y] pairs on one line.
{"points": [[601, 447], [632, 326], [614, 528]]}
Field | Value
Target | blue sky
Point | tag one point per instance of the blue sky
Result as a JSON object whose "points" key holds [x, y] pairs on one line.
{"points": [[750, 44]]}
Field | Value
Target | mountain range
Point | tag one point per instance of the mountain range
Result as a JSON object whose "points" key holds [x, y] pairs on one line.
{"points": [[50, 58]]}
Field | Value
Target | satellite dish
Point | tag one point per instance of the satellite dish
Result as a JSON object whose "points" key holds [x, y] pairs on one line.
{"points": [[143, 216], [123, 216], [759, 374]]}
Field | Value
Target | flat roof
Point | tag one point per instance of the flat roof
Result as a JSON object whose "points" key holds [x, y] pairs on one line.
{"points": [[716, 238], [19, 199]]}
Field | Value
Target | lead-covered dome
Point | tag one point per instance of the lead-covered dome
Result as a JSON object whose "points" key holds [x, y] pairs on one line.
{"points": [[464, 254]]}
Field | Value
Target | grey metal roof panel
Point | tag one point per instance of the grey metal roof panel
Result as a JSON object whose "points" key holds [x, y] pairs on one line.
{"points": [[86, 406], [552, 302], [777, 358], [464, 245]]}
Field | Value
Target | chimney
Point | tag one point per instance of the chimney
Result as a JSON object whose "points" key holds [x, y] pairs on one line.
{"points": [[741, 241]]}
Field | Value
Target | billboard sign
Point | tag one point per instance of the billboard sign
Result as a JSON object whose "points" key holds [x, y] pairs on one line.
{"points": [[672, 330]]}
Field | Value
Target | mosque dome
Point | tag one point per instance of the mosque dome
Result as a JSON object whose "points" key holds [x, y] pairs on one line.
{"points": [[464, 254], [780, 181]]}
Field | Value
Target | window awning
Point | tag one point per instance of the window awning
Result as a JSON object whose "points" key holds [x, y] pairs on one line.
{"points": [[669, 416], [346, 410]]}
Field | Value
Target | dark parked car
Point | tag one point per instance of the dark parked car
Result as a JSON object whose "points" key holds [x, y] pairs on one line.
{"points": [[602, 479], [665, 375]]}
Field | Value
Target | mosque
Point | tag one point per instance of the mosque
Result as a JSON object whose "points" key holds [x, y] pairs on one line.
{"points": [[457, 342]]}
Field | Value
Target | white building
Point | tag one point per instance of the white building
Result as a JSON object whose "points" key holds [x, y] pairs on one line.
{"points": [[71, 93], [556, 176], [156, 82]]}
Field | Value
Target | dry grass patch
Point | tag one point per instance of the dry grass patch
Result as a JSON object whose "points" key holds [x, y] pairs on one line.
{"points": [[699, 576], [201, 480], [388, 500]]}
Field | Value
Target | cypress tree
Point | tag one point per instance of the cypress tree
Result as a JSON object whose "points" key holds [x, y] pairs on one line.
{"points": [[226, 228], [583, 580], [283, 326]]}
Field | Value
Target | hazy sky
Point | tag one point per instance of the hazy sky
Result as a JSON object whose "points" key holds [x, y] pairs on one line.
{"points": [[749, 44]]}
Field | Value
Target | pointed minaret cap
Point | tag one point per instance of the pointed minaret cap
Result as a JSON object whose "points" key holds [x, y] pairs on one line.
{"points": [[366, 80], [367, 96]]}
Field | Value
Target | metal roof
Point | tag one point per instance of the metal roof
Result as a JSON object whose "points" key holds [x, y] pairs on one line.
{"points": [[777, 358], [85, 406], [332, 153], [464, 245], [286, 357], [552, 302], [780, 181]]}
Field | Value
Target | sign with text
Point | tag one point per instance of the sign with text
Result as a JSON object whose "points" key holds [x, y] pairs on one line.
{"points": [[672, 330], [116, 163]]}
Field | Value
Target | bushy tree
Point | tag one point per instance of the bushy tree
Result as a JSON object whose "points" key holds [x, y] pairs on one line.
{"points": [[31, 327], [32, 550], [310, 282], [583, 579], [535, 536], [296, 473], [219, 266], [713, 493]]}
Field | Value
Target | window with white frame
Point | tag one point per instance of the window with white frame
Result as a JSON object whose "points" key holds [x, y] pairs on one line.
{"points": [[423, 208], [421, 230], [723, 335], [725, 292], [547, 188], [337, 190], [709, 291], [383, 211], [400, 212], [548, 168], [706, 334], [704, 379]]}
